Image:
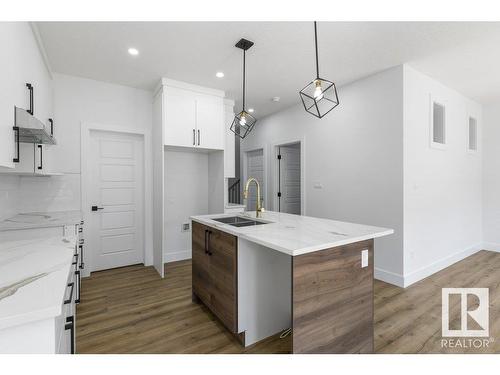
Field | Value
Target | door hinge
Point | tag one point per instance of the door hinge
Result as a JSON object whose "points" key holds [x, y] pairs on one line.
{"points": [[279, 157], [279, 194]]}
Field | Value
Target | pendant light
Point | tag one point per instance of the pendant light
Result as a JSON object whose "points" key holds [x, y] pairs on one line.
{"points": [[320, 96], [243, 122]]}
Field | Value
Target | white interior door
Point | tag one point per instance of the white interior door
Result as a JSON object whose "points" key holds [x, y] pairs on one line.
{"points": [[289, 183], [255, 169], [116, 188]]}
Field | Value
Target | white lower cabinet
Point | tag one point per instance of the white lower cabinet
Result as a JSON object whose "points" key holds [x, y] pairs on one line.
{"points": [[54, 335]]}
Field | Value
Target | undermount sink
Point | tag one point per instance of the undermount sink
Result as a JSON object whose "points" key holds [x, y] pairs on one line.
{"points": [[238, 221]]}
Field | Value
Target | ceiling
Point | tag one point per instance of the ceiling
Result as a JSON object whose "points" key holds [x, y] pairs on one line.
{"points": [[464, 56]]}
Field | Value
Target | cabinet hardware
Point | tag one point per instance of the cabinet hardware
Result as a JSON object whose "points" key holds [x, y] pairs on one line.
{"points": [[70, 324], [51, 127], [82, 264], [78, 286], [194, 137], [208, 247], [95, 208], [72, 286], [40, 147], [30, 88], [80, 230], [16, 137], [206, 240], [199, 137]]}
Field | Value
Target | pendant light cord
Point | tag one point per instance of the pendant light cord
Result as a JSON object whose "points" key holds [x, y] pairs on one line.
{"points": [[316, 44], [244, 54]]}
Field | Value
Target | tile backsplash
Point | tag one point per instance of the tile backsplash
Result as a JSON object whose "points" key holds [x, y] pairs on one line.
{"points": [[38, 194], [9, 196], [46, 194]]}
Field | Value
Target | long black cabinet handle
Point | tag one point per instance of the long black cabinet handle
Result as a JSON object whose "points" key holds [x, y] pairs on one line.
{"points": [[206, 241], [78, 287], [199, 137], [16, 137], [208, 247], [72, 285], [70, 324], [40, 147], [82, 264], [194, 137], [32, 105], [51, 127]]}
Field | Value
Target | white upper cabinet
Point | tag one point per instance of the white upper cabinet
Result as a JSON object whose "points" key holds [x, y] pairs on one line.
{"points": [[193, 116], [180, 118], [210, 122]]}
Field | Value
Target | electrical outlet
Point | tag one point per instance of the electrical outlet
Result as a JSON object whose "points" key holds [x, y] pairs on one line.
{"points": [[185, 227], [364, 258]]}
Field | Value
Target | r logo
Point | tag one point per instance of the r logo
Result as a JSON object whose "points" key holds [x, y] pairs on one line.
{"points": [[479, 315]]}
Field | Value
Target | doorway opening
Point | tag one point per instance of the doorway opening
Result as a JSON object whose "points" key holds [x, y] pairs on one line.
{"points": [[288, 178], [254, 166]]}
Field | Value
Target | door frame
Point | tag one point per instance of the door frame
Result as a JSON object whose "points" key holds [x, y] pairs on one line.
{"points": [[275, 171], [85, 130], [245, 152]]}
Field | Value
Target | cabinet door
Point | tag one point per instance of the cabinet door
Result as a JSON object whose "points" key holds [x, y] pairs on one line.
{"points": [[223, 273], [210, 122], [179, 117], [200, 263]]}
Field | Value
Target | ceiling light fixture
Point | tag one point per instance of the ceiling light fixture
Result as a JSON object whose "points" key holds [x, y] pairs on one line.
{"points": [[243, 122], [219, 74], [320, 96], [250, 110], [133, 51]]}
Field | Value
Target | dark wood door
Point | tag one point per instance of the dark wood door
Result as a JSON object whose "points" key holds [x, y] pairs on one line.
{"points": [[200, 263], [223, 273], [332, 300]]}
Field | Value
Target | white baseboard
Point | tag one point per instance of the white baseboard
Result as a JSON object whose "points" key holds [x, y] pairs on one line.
{"points": [[491, 246], [177, 255], [437, 266], [389, 277]]}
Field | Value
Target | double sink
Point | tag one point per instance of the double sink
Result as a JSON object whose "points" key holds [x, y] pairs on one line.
{"points": [[239, 221]]}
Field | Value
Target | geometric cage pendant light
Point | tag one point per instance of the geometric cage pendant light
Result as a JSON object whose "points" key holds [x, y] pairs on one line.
{"points": [[320, 96], [243, 122]]}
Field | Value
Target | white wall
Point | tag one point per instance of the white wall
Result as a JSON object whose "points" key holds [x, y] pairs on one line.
{"points": [[442, 188], [79, 100], [355, 153], [21, 62], [491, 177], [186, 194]]}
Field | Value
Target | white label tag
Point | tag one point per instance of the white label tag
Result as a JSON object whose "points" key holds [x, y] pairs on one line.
{"points": [[364, 258]]}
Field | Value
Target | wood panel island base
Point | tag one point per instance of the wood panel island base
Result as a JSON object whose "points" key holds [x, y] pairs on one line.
{"points": [[312, 275]]}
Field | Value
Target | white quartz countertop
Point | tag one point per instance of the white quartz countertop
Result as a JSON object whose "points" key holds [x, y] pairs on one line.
{"points": [[33, 278], [41, 220], [295, 234]]}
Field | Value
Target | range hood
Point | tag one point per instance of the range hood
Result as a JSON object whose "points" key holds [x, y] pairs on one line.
{"points": [[31, 129]]}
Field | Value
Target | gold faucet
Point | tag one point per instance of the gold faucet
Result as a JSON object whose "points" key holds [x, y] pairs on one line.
{"points": [[258, 209]]}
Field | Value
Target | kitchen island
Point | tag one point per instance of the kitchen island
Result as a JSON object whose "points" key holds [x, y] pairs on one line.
{"points": [[260, 276]]}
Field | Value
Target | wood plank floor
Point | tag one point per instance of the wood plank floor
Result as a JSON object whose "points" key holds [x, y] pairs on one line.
{"points": [[132, 310]]}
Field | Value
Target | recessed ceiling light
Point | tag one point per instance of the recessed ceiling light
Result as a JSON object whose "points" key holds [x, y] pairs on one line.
{"points": [[276, 99], [133, 51], [219, 74], [250, 110]]}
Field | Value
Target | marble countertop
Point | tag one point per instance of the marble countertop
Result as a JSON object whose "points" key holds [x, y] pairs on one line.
{"points": [[41, 220], [33, 278], [295, 234]]}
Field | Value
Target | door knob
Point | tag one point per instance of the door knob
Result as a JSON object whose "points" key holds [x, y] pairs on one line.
{"points": [[95, 208]]}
